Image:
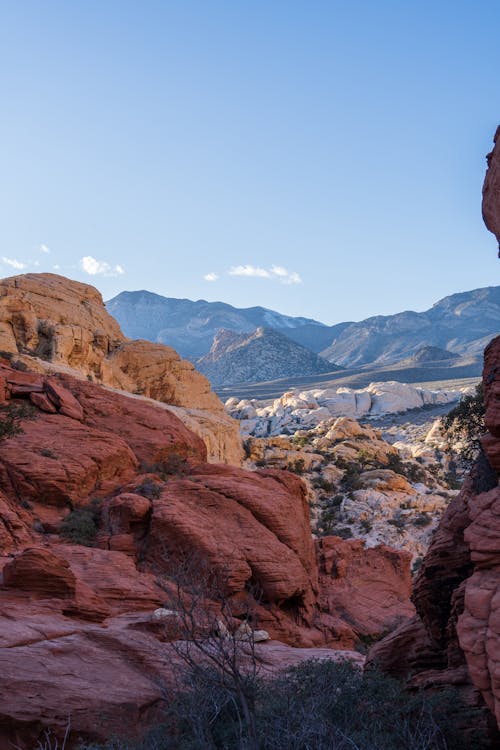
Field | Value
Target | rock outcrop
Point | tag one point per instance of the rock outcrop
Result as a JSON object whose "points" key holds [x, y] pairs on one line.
{"points": [[50, 323], [455, 636], [362, 487], [491, 190], [297, 410], [78, 632]]}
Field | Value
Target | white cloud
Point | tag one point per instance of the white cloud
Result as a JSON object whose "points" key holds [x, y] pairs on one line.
{"points": [[211, 276], [249, 271], [275, 272], [56, 267], [95, 267], [36, 263], [44, 249], [14, 263]]}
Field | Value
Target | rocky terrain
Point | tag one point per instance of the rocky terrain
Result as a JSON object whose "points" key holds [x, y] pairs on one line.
{"points": [[104, 491], [296, 410], [78, 624], [454, 638], [362, 487], [264, 354], [51, 324]]}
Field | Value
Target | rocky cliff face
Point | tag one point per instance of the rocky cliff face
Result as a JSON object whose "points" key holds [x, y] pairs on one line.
{"points": [[455, 636], [51, 323], [79, 634], [491, 190]]}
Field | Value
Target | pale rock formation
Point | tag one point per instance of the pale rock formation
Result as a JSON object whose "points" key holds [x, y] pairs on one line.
{"points": [[297, 410], [51, 324], [359, 485]]}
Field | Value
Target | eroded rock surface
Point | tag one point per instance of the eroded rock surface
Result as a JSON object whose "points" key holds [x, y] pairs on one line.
{"points": [[455, 636], [491, 190], [51, 323], [78, 630]]}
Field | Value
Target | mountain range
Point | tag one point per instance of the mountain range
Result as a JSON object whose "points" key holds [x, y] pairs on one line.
{"points": [[460, 324]]}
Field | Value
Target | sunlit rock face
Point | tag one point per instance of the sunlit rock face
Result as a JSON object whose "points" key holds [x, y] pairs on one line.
{"points": [[51, 323], [491, 190]]}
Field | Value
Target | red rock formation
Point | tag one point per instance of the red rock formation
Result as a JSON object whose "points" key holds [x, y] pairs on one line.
{"points": [[51, 323], [455, 637], [77, 632], [372, 585], [491, 190]]}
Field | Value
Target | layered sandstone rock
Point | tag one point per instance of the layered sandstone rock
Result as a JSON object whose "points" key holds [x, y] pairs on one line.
{"points": [[51, 324], [78, 633], [455, 636], [491, 189]]}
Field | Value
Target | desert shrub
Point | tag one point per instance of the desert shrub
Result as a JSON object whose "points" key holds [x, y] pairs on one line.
{"points": [[351, 479], [11, 416], [298, 466], [423, 519], [318, 705], [465, 424], [47, 453], [366, 525], [323, 484], [398, 522], [149, 488], [299, 441], [81, 524], [171, 465], [344, 532]]}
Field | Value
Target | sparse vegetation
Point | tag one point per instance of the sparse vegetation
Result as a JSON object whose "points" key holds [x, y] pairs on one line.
{"points": [[465, 424], [81, 524], [318, 705], [12, 415], [149, 488]]}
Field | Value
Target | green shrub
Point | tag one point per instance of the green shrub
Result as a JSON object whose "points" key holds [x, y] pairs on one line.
{"points": [[148, 488], [80, 526], [318, 705], [297, 467], [11, 416], [465, 424]]}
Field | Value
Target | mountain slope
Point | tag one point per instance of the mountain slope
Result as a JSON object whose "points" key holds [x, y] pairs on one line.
{"points": [[190, 327], [264, 354], [461, 323]]}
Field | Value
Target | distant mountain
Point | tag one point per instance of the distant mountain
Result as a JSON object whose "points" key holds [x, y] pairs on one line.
{"points": [[461, 323], [264, 354], [429, 354], [190, 326]]}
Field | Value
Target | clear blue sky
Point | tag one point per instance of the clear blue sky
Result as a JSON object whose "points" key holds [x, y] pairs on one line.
{"points": [[321, 158]]}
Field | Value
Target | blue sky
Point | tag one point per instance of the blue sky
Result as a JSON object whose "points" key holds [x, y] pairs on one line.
{"points": [[320, 158]]}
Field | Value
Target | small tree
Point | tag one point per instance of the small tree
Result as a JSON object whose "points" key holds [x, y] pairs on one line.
{"points": [[465, 424], [213, 634]]}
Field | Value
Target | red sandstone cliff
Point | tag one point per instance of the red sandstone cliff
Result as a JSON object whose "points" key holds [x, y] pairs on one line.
{"points": [[454, 639]]}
